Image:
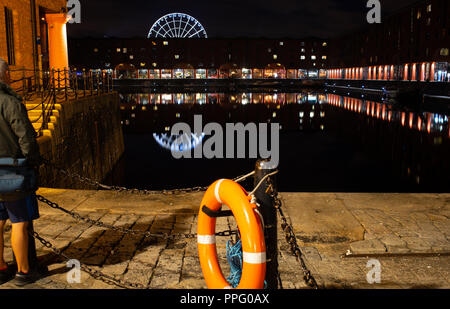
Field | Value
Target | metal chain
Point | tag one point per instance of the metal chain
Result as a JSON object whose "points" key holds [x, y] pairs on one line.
{"points": [[97, 184], [290, 237], [122, 230], [97, 275]]}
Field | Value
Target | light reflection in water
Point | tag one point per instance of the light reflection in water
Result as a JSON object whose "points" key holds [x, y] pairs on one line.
{"points": [[434, 122], [178, 143], [424, 122]]}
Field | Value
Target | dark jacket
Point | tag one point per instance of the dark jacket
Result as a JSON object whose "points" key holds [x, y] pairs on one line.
{"points": [[17, 135]]}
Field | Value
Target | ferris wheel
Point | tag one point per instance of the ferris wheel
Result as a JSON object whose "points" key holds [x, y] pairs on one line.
{"points": [[177, 25]]}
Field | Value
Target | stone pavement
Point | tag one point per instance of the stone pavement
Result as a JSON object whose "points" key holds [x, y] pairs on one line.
{"points": [[407, 233]]}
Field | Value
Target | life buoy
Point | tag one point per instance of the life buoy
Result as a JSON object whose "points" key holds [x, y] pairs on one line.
{"points": [[235, 197]]}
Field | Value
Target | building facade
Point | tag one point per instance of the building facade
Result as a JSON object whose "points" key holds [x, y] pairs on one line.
{"points": [[206, 58], [25, 33], [411, 45]]}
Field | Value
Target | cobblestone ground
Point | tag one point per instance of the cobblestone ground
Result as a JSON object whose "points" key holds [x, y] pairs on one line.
{"points": [[159, 263], [407, 245], [408, 234]]}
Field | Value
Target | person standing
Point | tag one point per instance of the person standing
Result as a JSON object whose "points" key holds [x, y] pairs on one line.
{"points": [[17, 144]]}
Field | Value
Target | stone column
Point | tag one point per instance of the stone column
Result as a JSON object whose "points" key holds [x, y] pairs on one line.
{"points": [[57, 43]]}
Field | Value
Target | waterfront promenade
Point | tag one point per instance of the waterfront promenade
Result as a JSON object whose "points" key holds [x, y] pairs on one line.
{"points": [[407, 233]]}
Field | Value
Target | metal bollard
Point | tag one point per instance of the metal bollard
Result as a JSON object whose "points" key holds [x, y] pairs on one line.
{"points": [[269, 214]]}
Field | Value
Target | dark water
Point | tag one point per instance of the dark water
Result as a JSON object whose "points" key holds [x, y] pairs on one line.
{"points": [[328, 143]]}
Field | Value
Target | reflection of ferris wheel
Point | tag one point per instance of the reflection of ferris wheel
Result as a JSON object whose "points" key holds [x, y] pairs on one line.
{"points": [[177, 25], [179, 143]]}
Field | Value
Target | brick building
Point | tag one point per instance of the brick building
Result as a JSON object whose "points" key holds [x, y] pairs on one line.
{"points": [[24, 33], [161, 54], [411, 44]]}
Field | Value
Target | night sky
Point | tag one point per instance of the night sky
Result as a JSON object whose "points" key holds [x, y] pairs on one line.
{"points": [[230, 18]]}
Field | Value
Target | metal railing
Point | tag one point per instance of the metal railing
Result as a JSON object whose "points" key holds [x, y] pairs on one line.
{"points": [[42, 90]]}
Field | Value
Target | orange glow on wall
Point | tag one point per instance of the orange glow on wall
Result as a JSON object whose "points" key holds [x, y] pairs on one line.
{"points": [[57, 44], [422, 72], [57, 40], [414, 72], [432, 71]]}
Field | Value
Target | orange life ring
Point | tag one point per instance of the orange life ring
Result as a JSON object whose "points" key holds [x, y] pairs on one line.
{"points": [[236, 198]]}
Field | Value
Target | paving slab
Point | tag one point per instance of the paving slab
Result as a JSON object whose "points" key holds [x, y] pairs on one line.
{"points": [[403, 232]]}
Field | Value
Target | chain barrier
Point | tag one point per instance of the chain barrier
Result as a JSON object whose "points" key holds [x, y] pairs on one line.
{"points": [[290, 236], [98, 184], [286, 227], [98, 275]]}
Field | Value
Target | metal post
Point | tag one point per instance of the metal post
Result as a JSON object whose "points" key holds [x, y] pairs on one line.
{"points": [[84, 82], [66, 81], [269, 213]]}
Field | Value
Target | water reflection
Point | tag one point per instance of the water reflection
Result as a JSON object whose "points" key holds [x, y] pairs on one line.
{"points": [[178, 143], [424, 121], [220, 98], [335, 143]]}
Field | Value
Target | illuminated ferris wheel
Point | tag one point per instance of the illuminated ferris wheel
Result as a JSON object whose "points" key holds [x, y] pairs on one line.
{"points": [[177, 25]]}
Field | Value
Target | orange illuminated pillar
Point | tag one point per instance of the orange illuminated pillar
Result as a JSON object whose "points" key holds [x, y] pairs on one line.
{"points": [[405, 73], [432, 71], [414, 72], [422, 72], [57, 42]]}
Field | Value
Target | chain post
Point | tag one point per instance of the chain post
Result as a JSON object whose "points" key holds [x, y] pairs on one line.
{"points": [[91, 83], [269, 214], [66, 81], [84, 82], [76, 82]]}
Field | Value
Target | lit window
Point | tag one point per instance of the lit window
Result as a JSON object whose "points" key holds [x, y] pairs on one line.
{"points": [[302, 57], [429, 8], [165, 43], [324, 44], [314, 64], [324, 57], [118, 50], [142, 64], [177, 56], [419, 14], [154, 64], [125, 50], [269, 50], [313, 57], [303, 50], [131, 57], [281, 43], [275, 57], [95, 50]]}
